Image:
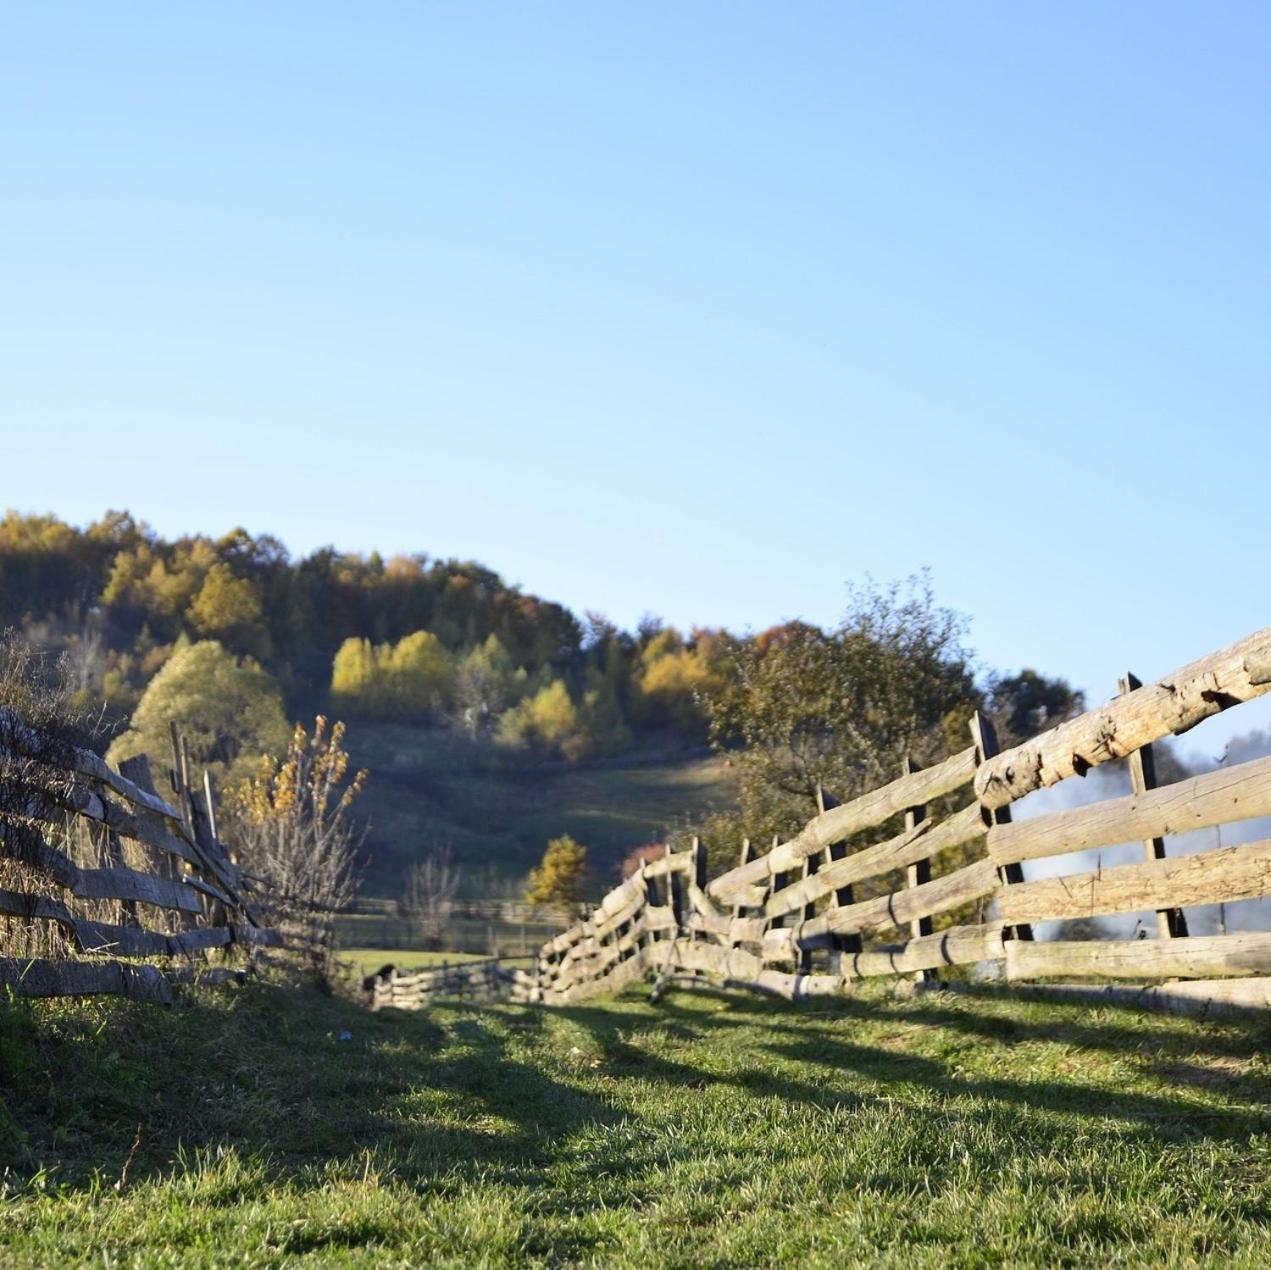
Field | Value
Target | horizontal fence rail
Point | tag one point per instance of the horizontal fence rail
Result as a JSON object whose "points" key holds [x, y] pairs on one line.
{"points": [[789, 921]]}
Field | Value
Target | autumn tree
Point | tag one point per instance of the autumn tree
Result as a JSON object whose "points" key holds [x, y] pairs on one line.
{"points": [[487, 682], [353, 676], [544, 722], [558, 879], [229, 710], [421, 675], [413, 678], [601, 728], [674, 676], [798, 706], [228, 608]]}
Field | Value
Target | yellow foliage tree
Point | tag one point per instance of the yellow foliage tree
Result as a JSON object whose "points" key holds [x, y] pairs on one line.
{"points": [[421, 674], [547, 720], [675, 677], [414, 677], [228, 608], [353, 677], [558, 879], [229, 709]]}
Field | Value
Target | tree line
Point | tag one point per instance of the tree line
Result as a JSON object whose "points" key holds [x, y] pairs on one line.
{"points": [[440, 642], [234, 638]]}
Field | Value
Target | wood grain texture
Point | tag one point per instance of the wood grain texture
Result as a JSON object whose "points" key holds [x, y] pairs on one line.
{"points": [[901, 907], [1141, 764], [1197, 996], [1211, 877], [957, 946], [1172, 705], [141, 826], [108, 883], [924, 840], [101, 937], [1198, 957], [27, 741], [1200, 802]]}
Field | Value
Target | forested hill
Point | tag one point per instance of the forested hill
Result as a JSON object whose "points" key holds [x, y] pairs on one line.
{"points": [[409, 637], [454, 682]]}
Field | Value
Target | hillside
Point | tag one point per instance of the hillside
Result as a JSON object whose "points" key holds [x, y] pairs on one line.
{"points": [[705, 1130], [429, 791]]}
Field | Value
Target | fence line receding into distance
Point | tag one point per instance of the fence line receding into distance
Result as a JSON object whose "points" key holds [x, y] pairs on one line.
{"points": [[789, 922]]}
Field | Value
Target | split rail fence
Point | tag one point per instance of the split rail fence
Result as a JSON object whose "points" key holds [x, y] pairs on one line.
{"points": [[101, 877], [859, 891]]}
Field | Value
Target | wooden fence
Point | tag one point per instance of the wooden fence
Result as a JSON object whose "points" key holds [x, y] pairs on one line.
{"points": [[860, 890], [93, 862], [413, 989]]}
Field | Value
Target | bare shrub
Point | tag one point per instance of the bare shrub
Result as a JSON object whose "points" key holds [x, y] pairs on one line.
{"points": [[431, 886], [291, 826]]}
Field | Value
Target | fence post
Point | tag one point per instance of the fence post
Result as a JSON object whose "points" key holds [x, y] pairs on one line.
{"points": [[1170, 922], [777, 881], [180, 776], [918, 872], [137, 770], [984, 737], [646, 936], [698, 864], [747, 854], [807, 913], [675, 898], [839, 944], [674, 891]]}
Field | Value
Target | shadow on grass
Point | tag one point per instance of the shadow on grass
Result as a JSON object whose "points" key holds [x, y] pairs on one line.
{"points": [[1113, 1026], [299, 1081], [290, 1078], [810, 1034]]}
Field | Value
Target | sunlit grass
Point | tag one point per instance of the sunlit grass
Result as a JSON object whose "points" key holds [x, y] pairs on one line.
{"points": [[710, 1129]]}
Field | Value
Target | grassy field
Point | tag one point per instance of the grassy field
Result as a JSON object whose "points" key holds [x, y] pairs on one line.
{"points": [[260, 1124], [430, 790]]}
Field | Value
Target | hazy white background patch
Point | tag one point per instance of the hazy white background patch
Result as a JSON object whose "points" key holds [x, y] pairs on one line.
{"points": [[1196, 755]]}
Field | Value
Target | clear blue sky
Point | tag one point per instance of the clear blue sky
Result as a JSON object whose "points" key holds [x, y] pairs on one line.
{"points": [[700, 308]]}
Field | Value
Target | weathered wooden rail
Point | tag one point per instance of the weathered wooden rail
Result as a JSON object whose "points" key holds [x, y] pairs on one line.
{"points": [[788, 921], [93, 862]]}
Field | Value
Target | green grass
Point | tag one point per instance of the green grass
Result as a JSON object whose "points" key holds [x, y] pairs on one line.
{"points": [[709, 1129]]}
